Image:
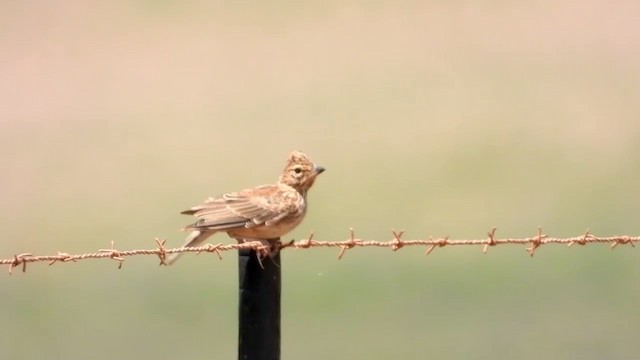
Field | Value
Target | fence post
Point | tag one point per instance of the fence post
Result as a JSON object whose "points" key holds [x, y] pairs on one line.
{"points": [[259, 306]]}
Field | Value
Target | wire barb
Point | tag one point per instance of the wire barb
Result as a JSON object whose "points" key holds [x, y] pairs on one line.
{"points": [[397, 243], [439, 243], [623, 240], [63, 257], [581, 241], [304, 244], [113, 254], [491, 240], [536, 242], [212, 248], [162, 251], [348, 244], [17, 260]]}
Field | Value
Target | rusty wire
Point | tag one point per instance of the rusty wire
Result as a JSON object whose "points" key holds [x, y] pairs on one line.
{"points": [[395, 244]]}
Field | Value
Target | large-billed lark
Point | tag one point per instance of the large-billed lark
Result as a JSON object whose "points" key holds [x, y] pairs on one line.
{"points": [[262, 213]]}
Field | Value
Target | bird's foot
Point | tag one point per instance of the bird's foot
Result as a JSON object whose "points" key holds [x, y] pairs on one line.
{"points": [[269, 248]]}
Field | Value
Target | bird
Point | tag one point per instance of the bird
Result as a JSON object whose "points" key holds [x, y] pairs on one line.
{"points": [[263, 213]]}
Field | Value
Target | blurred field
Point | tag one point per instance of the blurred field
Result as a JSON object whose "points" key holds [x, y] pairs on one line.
{"points": [[441, 118]]}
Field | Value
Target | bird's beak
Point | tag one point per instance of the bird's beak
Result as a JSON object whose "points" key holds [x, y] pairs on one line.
{"points": [[319, 170]]}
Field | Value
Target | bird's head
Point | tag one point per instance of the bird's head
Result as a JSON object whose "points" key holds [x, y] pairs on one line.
{"points": [[300, 172]]}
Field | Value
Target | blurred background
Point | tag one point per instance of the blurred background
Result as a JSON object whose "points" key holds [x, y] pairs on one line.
{"points": [[441, 118]]}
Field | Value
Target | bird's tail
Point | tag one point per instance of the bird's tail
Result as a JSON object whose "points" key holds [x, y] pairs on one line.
{"points": [[195, 238]]}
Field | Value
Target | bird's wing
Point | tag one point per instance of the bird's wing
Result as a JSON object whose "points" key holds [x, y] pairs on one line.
{"points": [[267, 204]]}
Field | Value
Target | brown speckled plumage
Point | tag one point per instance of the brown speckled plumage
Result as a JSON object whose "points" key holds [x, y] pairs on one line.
{"points": [[261, 213]]}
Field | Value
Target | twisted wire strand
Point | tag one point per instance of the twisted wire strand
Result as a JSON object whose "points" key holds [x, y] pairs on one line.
{"points": [[395, 243]]}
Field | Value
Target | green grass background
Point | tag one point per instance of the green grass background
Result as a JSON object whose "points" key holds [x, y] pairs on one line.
{"points": [[441, 118]]}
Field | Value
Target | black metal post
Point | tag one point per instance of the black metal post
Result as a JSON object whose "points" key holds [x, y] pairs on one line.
{"points": [[259, 318]]}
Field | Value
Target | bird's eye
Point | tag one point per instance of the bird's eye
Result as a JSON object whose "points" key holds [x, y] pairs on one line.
{"points": [[297, 170]]}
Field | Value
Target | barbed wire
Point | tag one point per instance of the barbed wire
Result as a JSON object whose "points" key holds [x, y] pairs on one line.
{"points": [[352, 242]]}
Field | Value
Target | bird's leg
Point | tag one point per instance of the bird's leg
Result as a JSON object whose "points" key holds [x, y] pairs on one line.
{"points": [[273, 248], [270, 248]]}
